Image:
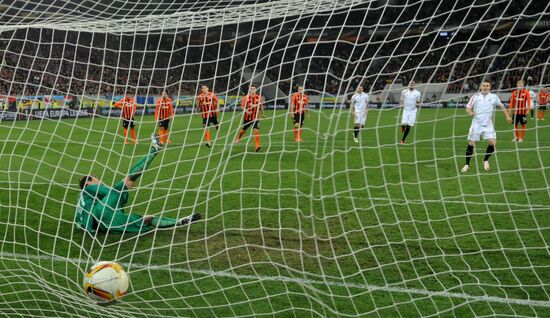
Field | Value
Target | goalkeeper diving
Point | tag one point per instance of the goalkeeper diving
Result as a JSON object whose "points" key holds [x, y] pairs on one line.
{"points": [[101, 208]]}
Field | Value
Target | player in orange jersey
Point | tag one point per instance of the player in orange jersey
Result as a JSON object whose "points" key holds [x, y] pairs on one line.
{"points": [[207, 102], [298, 108], [163, 113], [520, 103], [251, 104], [128, 107], [543, 102]]}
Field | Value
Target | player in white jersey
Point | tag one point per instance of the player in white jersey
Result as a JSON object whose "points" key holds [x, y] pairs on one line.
{"points": [[533, 96], [410, 100], [358, 107], [47, 101], [482, 106]]}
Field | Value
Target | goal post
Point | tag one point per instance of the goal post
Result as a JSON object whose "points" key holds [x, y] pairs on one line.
{"points": [[332, 217]]}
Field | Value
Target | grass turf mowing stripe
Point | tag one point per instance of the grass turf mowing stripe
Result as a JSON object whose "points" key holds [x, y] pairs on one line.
{"points": [[303, 281]]}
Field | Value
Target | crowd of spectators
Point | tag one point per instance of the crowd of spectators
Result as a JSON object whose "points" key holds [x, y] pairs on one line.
{"points": [[40, 64], [48, 62]]}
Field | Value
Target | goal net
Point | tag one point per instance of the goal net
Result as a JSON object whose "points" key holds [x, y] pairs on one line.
{"points": [[325, 227]]}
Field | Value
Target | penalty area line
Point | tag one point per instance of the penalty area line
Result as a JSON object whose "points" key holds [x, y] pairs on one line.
{"points": [[293, 280]]}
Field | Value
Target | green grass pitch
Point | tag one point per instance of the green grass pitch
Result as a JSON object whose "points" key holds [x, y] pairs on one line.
{"points": [[325, 228]]}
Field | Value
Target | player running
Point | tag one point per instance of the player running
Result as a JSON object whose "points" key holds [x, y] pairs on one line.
{"points": [[481, 106], [208, 103], [298, 108], [251, 104], [410, 100], [358, 107], [129, 108], [520, 102], [101, 208], [543, 101], [163, 113]]}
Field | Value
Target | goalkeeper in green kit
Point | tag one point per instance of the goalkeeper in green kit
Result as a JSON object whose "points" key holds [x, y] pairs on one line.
{"points": [[101, 208]]}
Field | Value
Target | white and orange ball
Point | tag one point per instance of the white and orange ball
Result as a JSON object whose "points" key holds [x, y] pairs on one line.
{"points": [[106, 282]]}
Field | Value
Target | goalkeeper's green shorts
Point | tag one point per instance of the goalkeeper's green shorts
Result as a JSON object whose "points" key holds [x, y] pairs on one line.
{"points": [[110, 212]]}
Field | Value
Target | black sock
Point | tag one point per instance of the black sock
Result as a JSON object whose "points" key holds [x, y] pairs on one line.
{"points": [[469, 153], [406, 132], [532, 112], [355, 131], [490, 150]]}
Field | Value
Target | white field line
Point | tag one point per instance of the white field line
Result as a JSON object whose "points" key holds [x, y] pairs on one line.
{"points": [[278, 194], [294, 280], [321, 143]]}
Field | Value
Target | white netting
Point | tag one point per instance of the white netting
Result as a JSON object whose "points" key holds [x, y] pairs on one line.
{"points": [[324, 227]]}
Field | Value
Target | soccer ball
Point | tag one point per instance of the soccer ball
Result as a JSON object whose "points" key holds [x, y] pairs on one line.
{"points": [[106, 282]]}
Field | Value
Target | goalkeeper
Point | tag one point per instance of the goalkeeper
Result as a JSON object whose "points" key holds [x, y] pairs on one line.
{"points": [[102, 208]]}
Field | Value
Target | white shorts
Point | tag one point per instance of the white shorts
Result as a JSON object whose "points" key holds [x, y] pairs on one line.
{"points": [[476, 131], [360, 118], [409, 117]]}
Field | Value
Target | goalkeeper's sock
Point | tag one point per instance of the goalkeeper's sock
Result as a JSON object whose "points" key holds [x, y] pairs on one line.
{"points": [[469, 153], [125, 134], [406, 132], [489, 152], [300, 134], [207, 135], [137, 169], [133, 130], [163, 222], [516, 131], [295, 134], [355, 131]]}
